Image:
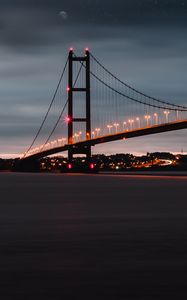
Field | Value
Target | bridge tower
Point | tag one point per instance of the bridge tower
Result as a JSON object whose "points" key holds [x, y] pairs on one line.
{"points": [[72, 89]]}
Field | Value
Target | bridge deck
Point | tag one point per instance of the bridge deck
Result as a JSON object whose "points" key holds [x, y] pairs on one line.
{"points": [[113, 137]]}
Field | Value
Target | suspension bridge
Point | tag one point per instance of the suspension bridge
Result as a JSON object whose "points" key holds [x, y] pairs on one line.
{"points": [[91, 106]]}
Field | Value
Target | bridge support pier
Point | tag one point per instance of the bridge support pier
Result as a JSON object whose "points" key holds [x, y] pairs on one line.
{"points": [[85, 61]]}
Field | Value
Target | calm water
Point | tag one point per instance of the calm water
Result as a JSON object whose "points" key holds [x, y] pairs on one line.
{"points": [[92, 237]]}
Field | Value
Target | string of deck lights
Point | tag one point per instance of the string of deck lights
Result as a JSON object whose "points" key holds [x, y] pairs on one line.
{"points": [[145, 121]]}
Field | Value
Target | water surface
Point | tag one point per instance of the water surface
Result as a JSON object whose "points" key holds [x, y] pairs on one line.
{"points": [[92, 237]]}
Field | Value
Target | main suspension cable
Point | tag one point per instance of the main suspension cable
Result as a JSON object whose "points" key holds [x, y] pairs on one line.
{"points": [[63, 109], [49, 108], [133, 89], [133, 99]]}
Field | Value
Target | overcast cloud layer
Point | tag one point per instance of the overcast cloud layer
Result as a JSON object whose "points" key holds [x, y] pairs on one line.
{"points": [[143, 41]]}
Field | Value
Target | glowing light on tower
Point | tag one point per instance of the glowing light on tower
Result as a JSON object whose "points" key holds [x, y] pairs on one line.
{"points": [[70, 166], [67, 119], [86, 51]]}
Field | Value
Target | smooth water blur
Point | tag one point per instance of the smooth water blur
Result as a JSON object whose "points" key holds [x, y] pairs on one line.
{"points": [[92, 237]]}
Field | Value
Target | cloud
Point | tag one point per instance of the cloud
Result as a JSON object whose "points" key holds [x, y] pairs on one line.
{"points": [[34, 23], [63, 14]]}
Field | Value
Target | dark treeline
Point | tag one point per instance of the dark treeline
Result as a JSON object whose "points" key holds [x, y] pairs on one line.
{"points": [[121, 161]]}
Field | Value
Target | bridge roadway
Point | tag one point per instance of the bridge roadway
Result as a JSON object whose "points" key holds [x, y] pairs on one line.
{"points": [[177, 125]]}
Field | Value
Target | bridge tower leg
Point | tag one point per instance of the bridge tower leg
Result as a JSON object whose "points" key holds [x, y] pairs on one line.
{"points": [[72, 88]]}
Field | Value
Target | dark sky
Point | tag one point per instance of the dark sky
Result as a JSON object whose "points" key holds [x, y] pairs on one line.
{"points": [[143, 41]]}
